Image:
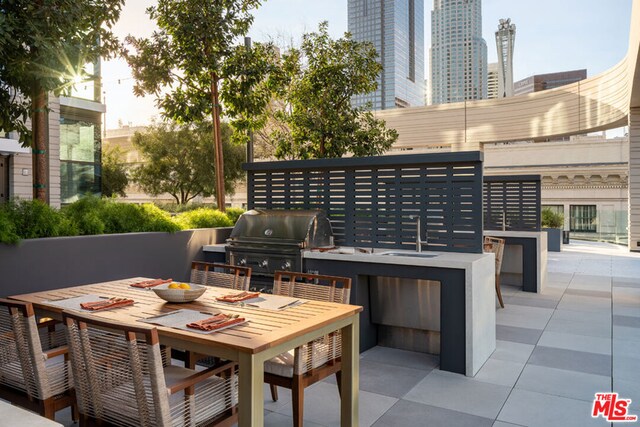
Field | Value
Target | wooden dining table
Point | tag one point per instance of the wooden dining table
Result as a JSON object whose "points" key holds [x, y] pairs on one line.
{"points": [[266, 334]]}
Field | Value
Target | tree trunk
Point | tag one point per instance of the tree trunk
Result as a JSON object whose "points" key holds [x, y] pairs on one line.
{"points": [[39, 144], [217, 144]]}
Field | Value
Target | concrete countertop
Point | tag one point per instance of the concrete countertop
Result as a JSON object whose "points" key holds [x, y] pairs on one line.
{"points": [[442, 259], [220, 247]]}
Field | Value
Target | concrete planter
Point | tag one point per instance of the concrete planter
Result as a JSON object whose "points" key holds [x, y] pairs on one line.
{"points": [[554, 239], [58, 262]]}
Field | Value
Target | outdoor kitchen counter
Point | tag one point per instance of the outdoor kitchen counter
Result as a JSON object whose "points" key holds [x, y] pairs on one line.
{"points": [[467, 297], [220, 247]]}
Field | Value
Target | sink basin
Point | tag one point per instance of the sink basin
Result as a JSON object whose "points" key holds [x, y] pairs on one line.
{"points": [[409, 254]]}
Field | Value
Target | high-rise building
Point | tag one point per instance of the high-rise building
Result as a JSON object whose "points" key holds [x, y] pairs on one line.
{"points": [[492, 80], [539, 82], [458, 51], [505, 37], [396, 29]]}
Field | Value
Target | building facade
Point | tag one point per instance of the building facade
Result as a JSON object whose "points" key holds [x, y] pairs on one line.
{"points": [[540, 82], [584, 178], [458, 51], [74, 148], [492, 80], [396, 29], [505, 39]]}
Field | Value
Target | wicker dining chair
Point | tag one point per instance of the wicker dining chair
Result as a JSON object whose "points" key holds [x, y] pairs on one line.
{"points": [[34, 367], [315, 360], [123, 378], [496, 245], [222, 275]]}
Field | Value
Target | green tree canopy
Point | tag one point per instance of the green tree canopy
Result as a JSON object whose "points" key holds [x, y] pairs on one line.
{"points": [[308, 111], [183, 62], [178, 160], [114, 172], [44, 46]]}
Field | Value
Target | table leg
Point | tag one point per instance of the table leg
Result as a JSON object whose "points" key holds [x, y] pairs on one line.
{"points": [[350, 374], [250, 392]]}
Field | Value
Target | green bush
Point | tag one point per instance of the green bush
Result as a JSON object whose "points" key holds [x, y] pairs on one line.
{"points": [[234, 214], [33, 219], [7, 229], [185, 207], [85, 215], [551, 219], [203, 218], [158, 220]]}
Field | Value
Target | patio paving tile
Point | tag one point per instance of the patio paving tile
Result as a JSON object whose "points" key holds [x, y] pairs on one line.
{"points": [[560, 382], [530, 302], [407, 359], [529, 408], [503, 424], [273, 419], [580, 323], [623, 282], [523, 317], [585, 303], [575, 342], [588, 293], [501, 372], [512, 351], [631, 321], [385, 379], [580, 361], [628, 390], [516, 334], [626, 333], [459, 393], [322, 406], [405, 413], [626, 348]]}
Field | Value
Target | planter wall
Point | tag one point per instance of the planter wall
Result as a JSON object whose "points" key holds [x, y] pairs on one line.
{"points": [[554, 239], [52, 263]]}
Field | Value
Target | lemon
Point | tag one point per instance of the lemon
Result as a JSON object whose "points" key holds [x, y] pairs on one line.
{"points": [[184, 286], [173, 286]]}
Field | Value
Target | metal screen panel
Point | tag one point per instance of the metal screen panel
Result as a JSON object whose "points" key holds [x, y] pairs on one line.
{"points": [[373, 201], [516, 198]]}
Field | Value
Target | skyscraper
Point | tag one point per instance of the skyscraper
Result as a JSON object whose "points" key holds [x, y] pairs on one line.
{"points": [[458, 51], [396, 29], [492, 80], [505, 37]]}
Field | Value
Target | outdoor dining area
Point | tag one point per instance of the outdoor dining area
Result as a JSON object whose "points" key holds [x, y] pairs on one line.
{"points": [[333, 259]]}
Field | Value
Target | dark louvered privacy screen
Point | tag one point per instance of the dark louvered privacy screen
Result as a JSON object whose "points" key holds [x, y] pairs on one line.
{"points": [[374, 201], [514, 197]]}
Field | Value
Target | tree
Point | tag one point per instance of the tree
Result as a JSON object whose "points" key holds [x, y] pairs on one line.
{"points": [[309, 114], [44, 46], [178, 161], [114, 172], [183, 63]]}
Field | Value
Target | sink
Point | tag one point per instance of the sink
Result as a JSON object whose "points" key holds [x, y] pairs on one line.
{"points": [[409, 254]]}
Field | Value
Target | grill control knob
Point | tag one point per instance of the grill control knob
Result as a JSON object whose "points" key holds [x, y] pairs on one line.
{"points": [[242, 261], [264, 263], [286, 266]]}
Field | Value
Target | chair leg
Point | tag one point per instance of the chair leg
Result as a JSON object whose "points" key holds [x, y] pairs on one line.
{"points": [[498, 290], [75, 414], [49, 409], [339, 382], [297, 394], [274, 392]]}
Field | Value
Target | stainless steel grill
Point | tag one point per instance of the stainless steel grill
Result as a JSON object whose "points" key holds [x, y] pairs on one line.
{"points": [[270, 240]]}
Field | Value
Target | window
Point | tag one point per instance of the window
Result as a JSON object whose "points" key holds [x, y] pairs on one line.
{"points": [[556, 209], [80, 144], [583, 218]]}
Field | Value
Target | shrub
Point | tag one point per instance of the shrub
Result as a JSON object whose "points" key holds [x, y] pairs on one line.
{"points": [[7, 229], [203, 218], [234, 214], [183, 207], [33, 219], [158, 220], [551, 219], [84, 214]]}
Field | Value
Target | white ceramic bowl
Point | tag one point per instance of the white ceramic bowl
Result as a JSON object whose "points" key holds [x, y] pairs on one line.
{"points": [[179, 295]]}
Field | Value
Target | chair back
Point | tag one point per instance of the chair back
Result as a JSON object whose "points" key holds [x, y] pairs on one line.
{"points": [[118, 371], [312, 286], [495, 245], [22, 362], [222, 275]]}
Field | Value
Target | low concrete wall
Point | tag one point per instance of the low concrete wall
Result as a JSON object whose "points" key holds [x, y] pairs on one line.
{"points": [[52, 263]]}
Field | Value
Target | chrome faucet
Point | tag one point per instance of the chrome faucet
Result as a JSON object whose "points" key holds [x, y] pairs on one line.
{"points": [[418, 240]]}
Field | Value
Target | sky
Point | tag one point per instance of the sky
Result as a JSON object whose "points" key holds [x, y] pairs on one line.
{"points": [[551, 35]]}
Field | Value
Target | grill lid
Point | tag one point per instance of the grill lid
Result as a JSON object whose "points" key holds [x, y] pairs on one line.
{"points": [[308, 228]]}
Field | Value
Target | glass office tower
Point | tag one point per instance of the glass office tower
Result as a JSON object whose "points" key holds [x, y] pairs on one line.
{"points": [[458, 51], [396, 29]]}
